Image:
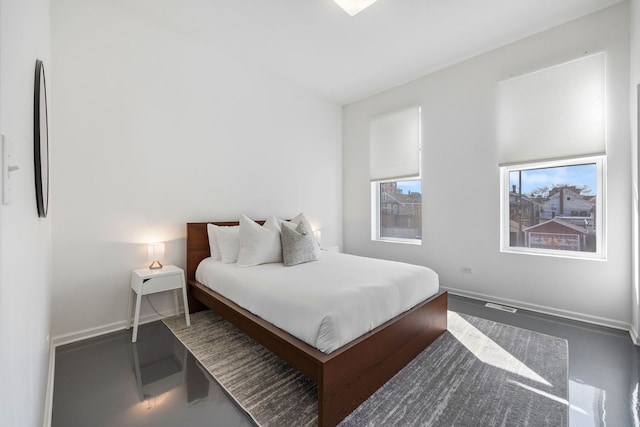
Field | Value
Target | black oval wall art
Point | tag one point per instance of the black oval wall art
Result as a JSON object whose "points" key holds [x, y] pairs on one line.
{"points": [[41, 140]]}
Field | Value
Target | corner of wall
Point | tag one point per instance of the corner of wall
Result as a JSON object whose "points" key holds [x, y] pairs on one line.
{"points": [[635, 336], [634, 107], [48, 403]]}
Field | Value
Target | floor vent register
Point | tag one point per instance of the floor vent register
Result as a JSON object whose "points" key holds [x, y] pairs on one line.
{"points": [[501, 307]]}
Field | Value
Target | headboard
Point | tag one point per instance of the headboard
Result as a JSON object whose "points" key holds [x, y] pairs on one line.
{"points": [[198, 244]]}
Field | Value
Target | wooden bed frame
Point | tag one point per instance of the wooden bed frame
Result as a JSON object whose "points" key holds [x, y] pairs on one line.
{"points": [[350, 374]]}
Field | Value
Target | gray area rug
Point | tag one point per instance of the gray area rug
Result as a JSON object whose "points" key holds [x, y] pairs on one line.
{"points": [[478, 373]]}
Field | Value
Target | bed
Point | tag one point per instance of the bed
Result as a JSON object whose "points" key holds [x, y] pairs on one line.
{"points": [[345, 377]]}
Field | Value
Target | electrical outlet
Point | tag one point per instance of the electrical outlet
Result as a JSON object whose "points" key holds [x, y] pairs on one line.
{"points": [[466, 270]]}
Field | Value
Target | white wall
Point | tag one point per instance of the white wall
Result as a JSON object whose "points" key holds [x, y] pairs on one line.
{"points": [[635, 160], [461, 194], [155, 129], [25, 239]]}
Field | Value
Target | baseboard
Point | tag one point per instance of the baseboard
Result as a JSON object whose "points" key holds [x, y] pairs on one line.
{"points": [[106, 329], [566, 314]]}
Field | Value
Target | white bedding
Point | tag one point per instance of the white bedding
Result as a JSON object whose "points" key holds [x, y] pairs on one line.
{"points": [[326, 303]]}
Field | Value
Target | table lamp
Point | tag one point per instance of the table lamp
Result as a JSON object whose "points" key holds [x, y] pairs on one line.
{"points": [[155, 253]]}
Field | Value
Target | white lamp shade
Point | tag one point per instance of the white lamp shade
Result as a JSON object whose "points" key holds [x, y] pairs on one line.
{"points": [[155, 252]]}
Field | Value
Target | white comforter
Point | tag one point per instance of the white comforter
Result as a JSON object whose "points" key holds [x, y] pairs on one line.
{"points": [[326, 303]]}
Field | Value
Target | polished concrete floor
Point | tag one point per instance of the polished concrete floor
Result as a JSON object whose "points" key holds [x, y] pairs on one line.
{"points": [[108, 381]]}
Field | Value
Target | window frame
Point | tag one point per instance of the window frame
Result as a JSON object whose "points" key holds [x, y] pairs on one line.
{"points": [[600, 208], [375, 213]]}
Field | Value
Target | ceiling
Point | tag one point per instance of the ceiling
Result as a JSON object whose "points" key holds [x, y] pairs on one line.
{"points": [[343, 58]]}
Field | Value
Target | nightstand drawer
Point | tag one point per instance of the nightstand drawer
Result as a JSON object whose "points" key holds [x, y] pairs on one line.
{"points": [[162, 283]]}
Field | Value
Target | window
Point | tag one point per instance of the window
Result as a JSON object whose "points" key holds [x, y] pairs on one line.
{"points": [[552, 148], [395, 176], [399, 216], [554, 208]]}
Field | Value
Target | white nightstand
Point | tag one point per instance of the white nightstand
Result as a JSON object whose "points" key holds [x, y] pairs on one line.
{"points": [[145, 281]]}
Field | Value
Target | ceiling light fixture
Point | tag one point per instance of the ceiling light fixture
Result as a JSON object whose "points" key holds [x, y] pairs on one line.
{"points": [[353, 7]]}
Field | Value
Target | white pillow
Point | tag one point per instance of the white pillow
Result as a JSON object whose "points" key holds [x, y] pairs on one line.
{"points": [[229, 242], [214, 248], [259, 244]]}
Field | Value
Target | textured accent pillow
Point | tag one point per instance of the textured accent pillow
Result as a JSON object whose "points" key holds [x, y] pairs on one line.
{"points": [[259, 244], [298, 244], [298, 219], [229, 242]]}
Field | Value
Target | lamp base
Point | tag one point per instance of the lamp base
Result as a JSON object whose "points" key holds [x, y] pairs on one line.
{"points": [[155, 265]]}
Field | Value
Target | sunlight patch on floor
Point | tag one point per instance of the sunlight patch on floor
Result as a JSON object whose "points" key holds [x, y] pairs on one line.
{"points": [[487, 350], [635, 406], [544, 394], [588, 405]]}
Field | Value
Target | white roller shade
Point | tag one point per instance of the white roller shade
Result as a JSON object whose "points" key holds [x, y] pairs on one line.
{"points": [[555, 113], [394, 145]]}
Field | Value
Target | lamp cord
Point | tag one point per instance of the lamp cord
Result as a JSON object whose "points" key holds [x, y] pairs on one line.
{"points": [[154, 308]]}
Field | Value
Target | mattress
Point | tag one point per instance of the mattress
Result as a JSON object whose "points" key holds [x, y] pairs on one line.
{"points": [[325, 303]]}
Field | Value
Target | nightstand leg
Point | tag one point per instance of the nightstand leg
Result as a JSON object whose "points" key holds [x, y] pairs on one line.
{"points": [[129, 309], [175, 301], [136, 319], [186, 304]]}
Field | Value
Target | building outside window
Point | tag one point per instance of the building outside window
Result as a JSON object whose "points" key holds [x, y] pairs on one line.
{"points": [[400, 210], [555, 207]]}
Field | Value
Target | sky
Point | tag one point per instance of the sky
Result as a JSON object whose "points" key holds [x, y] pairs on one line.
{"points": [[415, 186], [579, 175]]}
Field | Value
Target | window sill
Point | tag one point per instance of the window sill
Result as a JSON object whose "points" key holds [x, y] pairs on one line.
{"points": [[401, 241], [583, 256]]}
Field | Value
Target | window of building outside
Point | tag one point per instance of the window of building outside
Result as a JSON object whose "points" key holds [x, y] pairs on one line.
{"points": [[554, 208], [399, 210]]}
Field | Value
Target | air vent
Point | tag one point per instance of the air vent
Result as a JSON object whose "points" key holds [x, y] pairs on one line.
{"points": [[501, 307]]}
